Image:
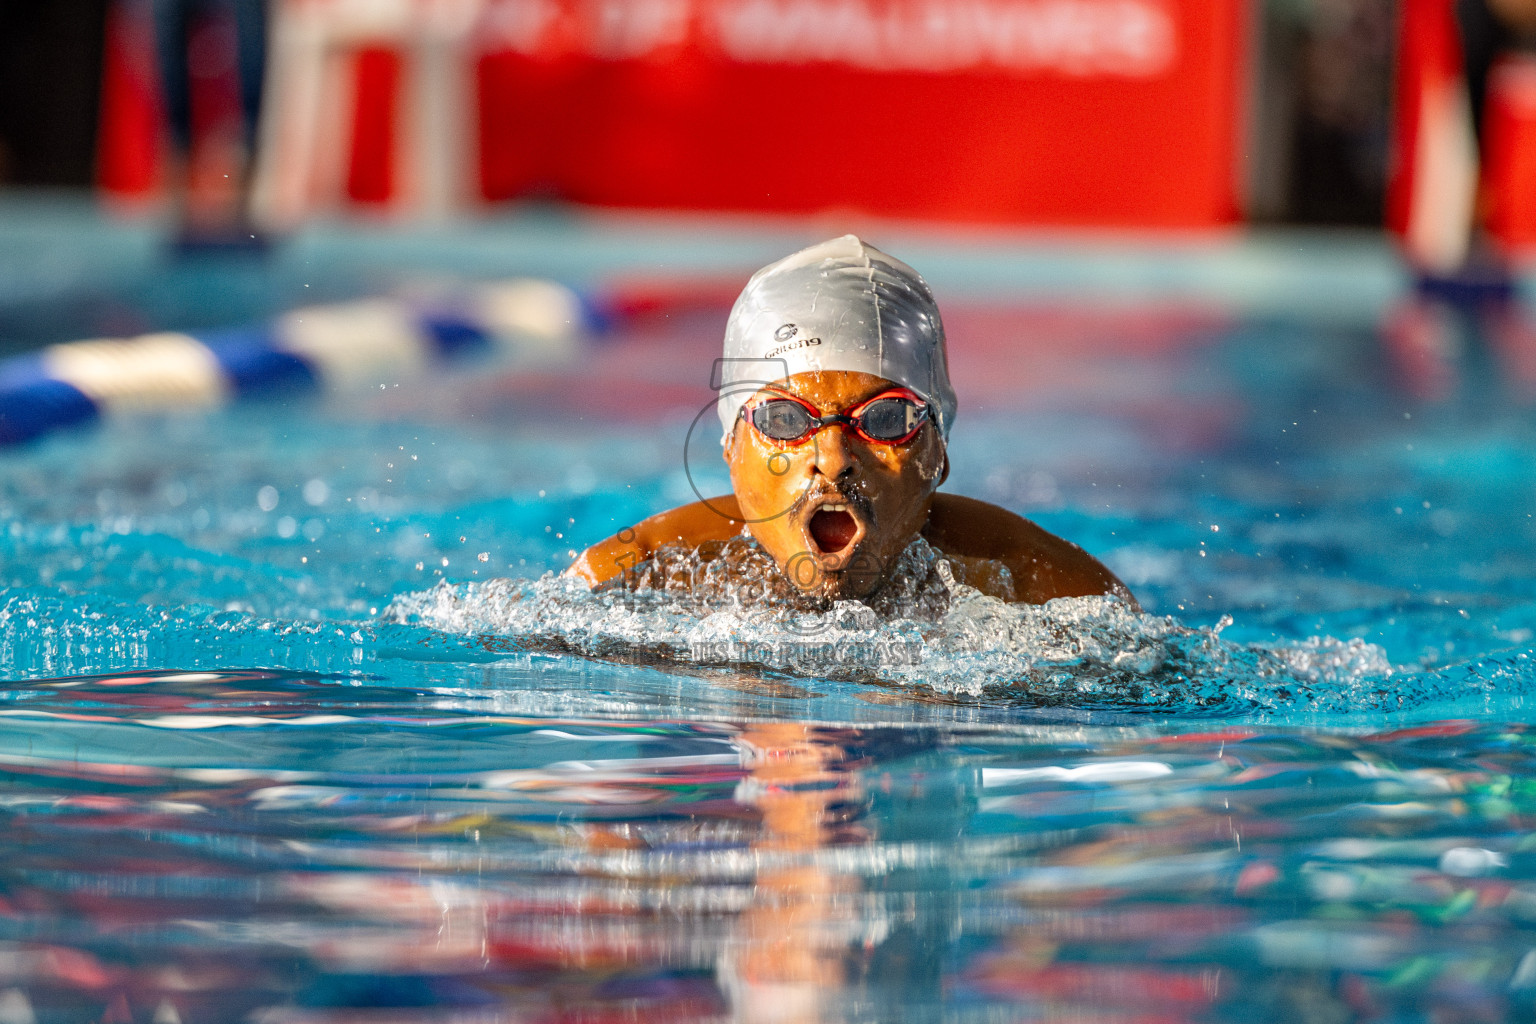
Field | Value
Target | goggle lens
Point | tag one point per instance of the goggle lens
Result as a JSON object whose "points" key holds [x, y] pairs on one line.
{"points": [[782, 420], [890, 420]]}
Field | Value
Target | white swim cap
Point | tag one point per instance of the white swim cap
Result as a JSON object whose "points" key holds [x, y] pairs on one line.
{"points": [[840, 305]]}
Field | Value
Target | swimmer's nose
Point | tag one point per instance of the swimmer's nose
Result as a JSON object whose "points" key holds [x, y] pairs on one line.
{"points": [[833, 456]]}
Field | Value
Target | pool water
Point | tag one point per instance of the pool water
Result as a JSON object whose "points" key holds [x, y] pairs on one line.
{"points": [[294, 731]]}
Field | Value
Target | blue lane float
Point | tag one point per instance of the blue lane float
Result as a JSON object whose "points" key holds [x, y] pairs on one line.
{"points": [[337, 347]]}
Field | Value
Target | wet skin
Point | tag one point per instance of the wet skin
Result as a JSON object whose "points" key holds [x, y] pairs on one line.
{"points": [[836, 510]]}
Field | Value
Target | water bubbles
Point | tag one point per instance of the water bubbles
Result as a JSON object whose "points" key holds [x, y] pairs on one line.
{"points": [[287, 526], [316, 492], [266, 498]]}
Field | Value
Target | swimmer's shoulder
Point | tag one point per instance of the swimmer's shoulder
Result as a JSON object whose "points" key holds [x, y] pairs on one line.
{"points": [[1043, 565], [717, 519]]}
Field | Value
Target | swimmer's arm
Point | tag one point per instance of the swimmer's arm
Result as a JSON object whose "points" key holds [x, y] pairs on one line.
{"points": [[691, 525], [1043, 565]]}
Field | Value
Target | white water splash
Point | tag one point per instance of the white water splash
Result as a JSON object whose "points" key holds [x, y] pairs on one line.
{"points": [[925, 629]]}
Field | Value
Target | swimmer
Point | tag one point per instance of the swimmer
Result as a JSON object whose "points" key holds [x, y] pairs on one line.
{"points": [[836, 406]]}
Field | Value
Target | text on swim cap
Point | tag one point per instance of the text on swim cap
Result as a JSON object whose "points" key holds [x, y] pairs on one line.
{"points": [[784, 333]]}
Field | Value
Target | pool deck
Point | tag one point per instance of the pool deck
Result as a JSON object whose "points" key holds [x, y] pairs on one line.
{"points": [[116, 274]]}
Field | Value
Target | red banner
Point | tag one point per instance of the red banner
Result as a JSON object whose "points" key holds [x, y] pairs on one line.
{"points": [[1063, 112], [1509, 152]]}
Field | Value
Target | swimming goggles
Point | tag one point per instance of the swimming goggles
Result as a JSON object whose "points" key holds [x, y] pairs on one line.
{"points": [[891, 417]]}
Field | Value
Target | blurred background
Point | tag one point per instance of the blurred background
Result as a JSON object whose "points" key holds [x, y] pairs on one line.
{"points": [[197, 164], [1123, 113]]}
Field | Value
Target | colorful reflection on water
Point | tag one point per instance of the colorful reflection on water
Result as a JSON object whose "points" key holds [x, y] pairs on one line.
{"points": [[226, 846]]}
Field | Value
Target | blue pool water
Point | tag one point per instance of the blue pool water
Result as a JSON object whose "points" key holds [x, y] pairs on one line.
{"points": [[294, 731]]}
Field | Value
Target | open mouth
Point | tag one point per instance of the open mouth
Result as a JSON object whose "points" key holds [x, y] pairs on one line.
{"points": [[832, 528]]}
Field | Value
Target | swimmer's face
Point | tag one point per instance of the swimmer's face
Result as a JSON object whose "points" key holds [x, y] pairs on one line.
{"points": [[834, 511]]}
